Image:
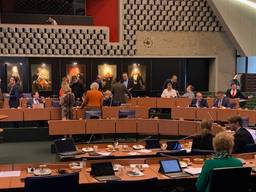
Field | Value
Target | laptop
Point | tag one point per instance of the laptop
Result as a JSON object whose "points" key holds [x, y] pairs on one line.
{"points": [[152, 144], [103, 172], [171, 168], [66, 147], [173, 145]]}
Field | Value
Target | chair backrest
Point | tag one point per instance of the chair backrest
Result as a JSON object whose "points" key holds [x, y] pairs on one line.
{"points": [[148, 185], [172, 153], [250, 148], [94, 114], [60, 183], [230, 179], [201, 152], [127, 114]]}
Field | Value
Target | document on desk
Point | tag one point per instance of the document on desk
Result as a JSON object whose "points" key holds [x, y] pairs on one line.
{"points": [[9, 173], [193, 171]]}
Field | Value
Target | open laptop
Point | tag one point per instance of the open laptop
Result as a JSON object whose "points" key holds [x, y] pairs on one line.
{"points": [[172, 168], [152, 144], [103, 172], [66, 147]]}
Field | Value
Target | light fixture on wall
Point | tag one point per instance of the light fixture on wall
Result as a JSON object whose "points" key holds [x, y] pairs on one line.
{"points": [[248, 2]]}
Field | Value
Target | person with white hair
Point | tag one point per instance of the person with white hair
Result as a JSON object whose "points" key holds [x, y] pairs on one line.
{"points": [[93, 98]]}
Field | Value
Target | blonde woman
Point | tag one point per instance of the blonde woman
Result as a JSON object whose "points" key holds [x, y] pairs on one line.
{"points": [[67, 101], [223, 144], [204, 140]]}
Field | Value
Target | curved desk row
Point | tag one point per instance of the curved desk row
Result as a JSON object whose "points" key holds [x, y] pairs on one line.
{"points": [[89, 183], [135, 126]]}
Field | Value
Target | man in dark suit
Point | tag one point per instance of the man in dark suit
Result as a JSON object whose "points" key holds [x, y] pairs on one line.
{"points": [[242, 136], [199, 102], [221, 100], [14, 93], [127, 82], [174, 81], [119, 92]]}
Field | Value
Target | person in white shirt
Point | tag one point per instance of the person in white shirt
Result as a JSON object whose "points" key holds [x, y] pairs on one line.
{"points": [[169, 92]]}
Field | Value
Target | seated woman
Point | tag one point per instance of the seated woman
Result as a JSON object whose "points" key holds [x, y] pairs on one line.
{"points": [[93, 98], [223, 144], [189, 92], [169, 92], [204, 140]]}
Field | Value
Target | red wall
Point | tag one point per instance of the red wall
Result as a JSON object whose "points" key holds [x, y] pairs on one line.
{"points": [[105, 13]]}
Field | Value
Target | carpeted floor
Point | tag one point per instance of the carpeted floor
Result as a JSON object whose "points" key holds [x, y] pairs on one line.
{"points": [[26, 152]]}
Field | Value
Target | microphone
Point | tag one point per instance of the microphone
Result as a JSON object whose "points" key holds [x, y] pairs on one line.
{"points": [[144, 139], [90, 139]]}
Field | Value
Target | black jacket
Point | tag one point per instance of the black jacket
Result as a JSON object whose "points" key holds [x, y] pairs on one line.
{"points": [[77, 89], [237, 95], [225, 102], [14, 101], [175, 85], [203, 142], [203, 103], [242, 138]]}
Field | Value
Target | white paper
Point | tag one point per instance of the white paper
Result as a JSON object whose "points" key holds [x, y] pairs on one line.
{"points": [[193, 171], [145, 151], [9, 173], [104, 153], [133, 153]]}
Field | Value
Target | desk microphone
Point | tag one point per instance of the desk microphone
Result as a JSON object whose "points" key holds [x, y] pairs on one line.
{"points": [[90, 139], [144, 139]]}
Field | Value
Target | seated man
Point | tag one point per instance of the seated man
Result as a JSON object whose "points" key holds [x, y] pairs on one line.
{"points": [[199, 102], [221, 100], [242, 136], [35, 100]]}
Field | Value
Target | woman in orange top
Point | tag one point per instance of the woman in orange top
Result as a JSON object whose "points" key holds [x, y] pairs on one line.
{"points": [[93, 97]]}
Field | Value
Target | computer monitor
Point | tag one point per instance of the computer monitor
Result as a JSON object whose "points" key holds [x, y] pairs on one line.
{"points": [[173, 145], [152, 144], [64, 145]]}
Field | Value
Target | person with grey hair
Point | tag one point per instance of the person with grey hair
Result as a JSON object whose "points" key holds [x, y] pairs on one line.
{"points": [[93, 98]]}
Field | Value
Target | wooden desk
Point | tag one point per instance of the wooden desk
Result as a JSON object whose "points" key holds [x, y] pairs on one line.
{"points": [[13, 114], [224, 114], [66, 127], [206, 114], [126, 126], [37, 114], [187, 128], [182, 102], [168, 127], [165, 103], [184, 113], [100, 126], [3, 117], [149, 102]]}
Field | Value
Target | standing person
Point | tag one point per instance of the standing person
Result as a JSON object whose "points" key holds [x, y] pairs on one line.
{"points": [[189, 92], [67, 101], [174, 81], [14, 94], [169, 92], [77, 88], [119, 92], [199, 101], [128, 83], [64, 82], [93, 98], [1, 96], [99, 81]]}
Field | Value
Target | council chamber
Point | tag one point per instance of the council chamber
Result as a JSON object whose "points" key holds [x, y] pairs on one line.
{"points": [[127, 95]]}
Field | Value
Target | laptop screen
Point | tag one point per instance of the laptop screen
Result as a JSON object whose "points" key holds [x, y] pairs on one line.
{"points": [[65, 145], [171, 166], [102, 169], [152, 144]]}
